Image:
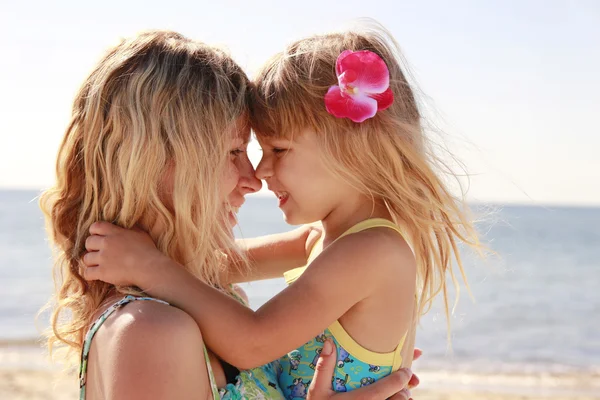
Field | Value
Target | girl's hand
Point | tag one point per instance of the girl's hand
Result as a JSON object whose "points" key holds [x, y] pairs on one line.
{"points": [[395, 386], [123, 257]]}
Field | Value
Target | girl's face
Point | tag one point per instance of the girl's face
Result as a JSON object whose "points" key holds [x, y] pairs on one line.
{"points": [[238, 178], [293, 169]]}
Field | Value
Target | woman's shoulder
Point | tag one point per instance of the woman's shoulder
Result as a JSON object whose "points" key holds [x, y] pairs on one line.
{"points": [[147, 329], [147, 349]]}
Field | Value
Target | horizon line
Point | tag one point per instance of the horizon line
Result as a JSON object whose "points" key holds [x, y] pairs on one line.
{"points": [[531, 203]]}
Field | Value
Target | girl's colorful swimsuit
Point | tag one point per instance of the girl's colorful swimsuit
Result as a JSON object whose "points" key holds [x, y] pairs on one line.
{"points": [[356, 366], [256, 383]]}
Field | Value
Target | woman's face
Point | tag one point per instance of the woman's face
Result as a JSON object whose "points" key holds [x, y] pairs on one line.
{"points": [[238, 179]]}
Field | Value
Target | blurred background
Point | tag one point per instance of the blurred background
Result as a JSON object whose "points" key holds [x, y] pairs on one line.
{"points": [[512, 85]]}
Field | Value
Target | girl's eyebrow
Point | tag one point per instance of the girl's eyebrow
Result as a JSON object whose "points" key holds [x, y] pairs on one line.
{"points": [[279, 140]]}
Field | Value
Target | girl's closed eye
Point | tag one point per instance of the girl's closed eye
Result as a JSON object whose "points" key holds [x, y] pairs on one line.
{"points": [[274, 150]]}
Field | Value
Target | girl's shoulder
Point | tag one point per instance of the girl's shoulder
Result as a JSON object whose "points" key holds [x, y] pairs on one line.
{"points": [[379, 244], [380, 251]]}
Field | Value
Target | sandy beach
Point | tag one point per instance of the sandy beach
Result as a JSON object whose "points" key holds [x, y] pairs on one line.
{"points": [[26, 374], [47, 385]]}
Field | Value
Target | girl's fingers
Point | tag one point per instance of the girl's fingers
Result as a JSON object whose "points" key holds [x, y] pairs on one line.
{"points": [[91, 259], [103, 228], [94, 242], [90, 273]]}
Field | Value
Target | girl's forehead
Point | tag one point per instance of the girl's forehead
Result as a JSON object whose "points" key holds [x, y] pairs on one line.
{"points": [[266, 140], [290, 136], [302, 136]]}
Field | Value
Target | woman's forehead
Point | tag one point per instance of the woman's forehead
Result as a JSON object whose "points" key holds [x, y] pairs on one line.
{"points": [[241, 129]]}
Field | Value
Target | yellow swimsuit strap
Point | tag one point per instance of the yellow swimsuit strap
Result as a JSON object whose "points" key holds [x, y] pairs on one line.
{"points": [[371, 223]]}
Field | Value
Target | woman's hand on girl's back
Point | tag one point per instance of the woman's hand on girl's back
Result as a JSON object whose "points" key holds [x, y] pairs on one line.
{"points": [[395, 386]]}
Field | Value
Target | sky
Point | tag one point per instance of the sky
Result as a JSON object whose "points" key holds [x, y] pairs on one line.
{"points": [[514, 84]]}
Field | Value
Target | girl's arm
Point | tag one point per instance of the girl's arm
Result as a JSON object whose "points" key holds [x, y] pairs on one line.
{"points": [[337, 280], [270, 256]]}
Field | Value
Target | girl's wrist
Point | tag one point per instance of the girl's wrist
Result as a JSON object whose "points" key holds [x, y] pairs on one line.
{"points": [[150, 275]]}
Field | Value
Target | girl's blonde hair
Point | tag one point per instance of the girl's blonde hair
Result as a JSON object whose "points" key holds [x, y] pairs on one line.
{"points": [[155, 102], [387, 157]]}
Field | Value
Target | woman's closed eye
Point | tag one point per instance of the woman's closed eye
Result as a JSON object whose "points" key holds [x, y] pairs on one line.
{"points": [[236, 152]]}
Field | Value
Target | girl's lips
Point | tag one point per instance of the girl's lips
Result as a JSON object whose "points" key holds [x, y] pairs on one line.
{"points": [[282, 196], [282, 201]]}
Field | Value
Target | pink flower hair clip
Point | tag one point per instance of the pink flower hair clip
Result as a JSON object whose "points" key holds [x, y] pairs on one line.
{"points": [[363, 86]]}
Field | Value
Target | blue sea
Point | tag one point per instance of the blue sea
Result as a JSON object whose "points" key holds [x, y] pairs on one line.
{"points": [[536, 307]]}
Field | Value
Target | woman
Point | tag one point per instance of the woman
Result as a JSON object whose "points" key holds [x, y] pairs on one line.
{"points": [[156, 141]]}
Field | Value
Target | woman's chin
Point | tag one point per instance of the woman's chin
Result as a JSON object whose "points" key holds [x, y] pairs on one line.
{"points": [[228, 227], [229, 224]]}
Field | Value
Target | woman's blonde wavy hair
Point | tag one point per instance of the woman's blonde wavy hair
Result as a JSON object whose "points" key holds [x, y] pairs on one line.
{"points": [[155, 102], [388, 157]]}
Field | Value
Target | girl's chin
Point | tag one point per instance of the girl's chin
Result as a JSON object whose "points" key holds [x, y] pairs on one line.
{"points": [[290, 219], [293, 217]]}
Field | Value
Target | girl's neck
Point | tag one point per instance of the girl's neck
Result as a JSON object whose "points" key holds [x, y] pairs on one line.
{"points": [[350, 213]]}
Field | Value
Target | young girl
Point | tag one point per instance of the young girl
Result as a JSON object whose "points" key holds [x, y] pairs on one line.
{"points": [[342, 144]]}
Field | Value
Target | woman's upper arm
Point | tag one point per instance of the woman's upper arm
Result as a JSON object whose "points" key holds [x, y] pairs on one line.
{"points": [[160, 356]]}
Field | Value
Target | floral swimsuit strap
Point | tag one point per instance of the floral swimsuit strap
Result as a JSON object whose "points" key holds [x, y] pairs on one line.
{"points": [[96, 325]]}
